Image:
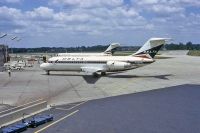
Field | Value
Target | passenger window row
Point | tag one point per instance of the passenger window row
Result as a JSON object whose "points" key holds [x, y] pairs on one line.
{"points": [[96, 62]]}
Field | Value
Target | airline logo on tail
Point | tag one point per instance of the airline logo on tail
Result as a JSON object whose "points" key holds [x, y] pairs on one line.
{"points": [[151, 47]]}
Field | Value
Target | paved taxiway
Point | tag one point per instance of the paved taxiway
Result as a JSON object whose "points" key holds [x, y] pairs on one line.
{"points": [[167, 110], [68, 87]]}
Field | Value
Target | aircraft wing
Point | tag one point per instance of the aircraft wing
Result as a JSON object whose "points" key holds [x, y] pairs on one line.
{"points": [[91, 69]]}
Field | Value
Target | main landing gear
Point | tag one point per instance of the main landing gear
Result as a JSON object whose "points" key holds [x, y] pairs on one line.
{"points": [[47, 72], [103, 73], [95, 75]]}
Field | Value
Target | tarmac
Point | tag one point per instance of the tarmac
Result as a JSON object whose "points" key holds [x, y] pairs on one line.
{"points": [[166, 110], [69, 87]]}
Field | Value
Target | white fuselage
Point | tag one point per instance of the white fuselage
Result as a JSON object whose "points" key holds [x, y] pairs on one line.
{"points": [[84, 54], [103, 63]]}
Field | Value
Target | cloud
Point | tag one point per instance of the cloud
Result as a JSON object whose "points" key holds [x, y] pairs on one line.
{"points": [[185, 2], [160, 9], [11, 18], [101, 18], [87, 3], [168, 2], [142, 2], [78, 19], [9, 13], [11, 1], [40, 13]]}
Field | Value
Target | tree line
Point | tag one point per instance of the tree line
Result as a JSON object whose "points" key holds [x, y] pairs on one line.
{"points": [[100, 48], [181, 46]]}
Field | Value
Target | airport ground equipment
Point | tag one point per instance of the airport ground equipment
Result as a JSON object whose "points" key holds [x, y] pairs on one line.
{"points": [[25, 124], [16, 128], [39, 120]]}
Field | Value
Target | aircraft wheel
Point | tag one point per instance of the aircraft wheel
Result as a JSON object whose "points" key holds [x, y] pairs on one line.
{"points": [[103, 73], [47, 72]]}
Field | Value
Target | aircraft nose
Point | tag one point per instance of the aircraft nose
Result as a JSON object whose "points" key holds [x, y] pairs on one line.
{"points": [[43, 65]]}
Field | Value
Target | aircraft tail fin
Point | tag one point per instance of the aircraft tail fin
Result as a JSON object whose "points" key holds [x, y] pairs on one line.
{"points": [[151, 47], [112, 48]]}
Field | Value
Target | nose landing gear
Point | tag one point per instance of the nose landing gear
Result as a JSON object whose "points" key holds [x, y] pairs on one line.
{"points": [[47, 72]]}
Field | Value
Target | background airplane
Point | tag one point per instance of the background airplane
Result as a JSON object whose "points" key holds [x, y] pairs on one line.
{"points": [[108, 52]]}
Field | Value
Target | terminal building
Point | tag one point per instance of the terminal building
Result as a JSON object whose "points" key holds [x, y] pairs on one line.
{"points": [[3, 55]]}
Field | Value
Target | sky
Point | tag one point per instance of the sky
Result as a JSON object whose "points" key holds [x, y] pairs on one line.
{"points": [[71, 23]]}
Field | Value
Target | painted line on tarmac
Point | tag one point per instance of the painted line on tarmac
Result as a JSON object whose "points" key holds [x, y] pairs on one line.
{"points": [[63, 109], [77, 105], [56, 121], [74, 103], [72, 106]]}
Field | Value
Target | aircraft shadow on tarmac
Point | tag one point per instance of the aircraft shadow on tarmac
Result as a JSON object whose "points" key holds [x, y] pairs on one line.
{"points": [[88, 78], [164, 76], [70, 75], [92, 80]]}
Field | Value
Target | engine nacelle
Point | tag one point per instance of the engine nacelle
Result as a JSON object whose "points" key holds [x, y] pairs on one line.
{"points": [[118, 65]]}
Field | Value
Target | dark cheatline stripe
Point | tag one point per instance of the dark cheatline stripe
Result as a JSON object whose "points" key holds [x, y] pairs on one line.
{"points": [[143, 56]]}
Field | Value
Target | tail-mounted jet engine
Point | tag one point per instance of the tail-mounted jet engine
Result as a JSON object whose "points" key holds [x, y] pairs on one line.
{"points": [[117, 65]]}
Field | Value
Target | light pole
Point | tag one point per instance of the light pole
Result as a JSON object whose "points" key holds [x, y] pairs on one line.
{"points": [[2, 36], [12, 38]]}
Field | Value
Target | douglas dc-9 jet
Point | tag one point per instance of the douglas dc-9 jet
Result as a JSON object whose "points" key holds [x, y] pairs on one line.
{"points": [[102, 64], [108, 52]]}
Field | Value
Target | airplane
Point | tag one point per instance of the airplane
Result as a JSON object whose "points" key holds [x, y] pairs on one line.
{"points": [[108, 52], [102, 64]]}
